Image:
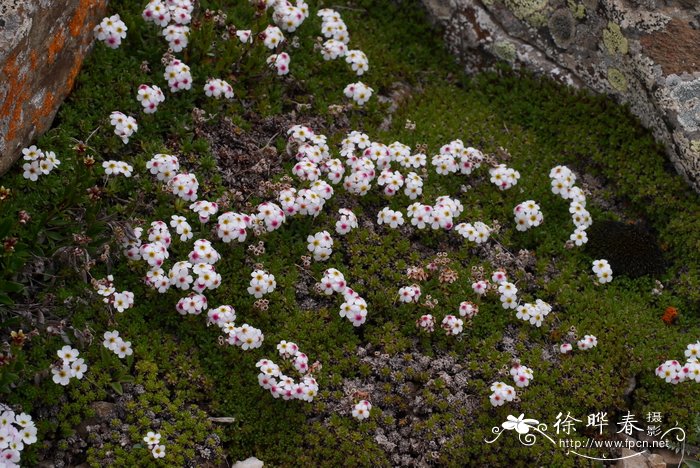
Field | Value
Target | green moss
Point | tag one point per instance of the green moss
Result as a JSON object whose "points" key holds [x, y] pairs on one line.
{"points": [[615, 42]]}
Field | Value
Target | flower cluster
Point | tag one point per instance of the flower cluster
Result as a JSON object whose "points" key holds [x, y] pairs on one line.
{"points": [[173, 16], [358, 61], [527, 215], [245, 336], [150, 97], [454, 156], [468, 309], [272, 37], [222, 316], [182, 227], [270, 215], [346, 223], [358, 92], [204, 209], [121, 301], [333, 26], [362, 410], [439, 216], [392, 181], [289, 16], [504, 177], [426, 322], [185, 186], [272, 378], [233, 226], [162, 13], [509, 295], [320, 245], [333, 48], [152, 439], [501, 393], [16, 431], [71, 366], [409, 293], [414, 186], [355, 307], [203, 253], [193, 304], [113, 342], [113, 167], [176, 35], [40, 162], [279, 62], [587, 342], [217, 88], [673, 372], [534, 313], [163, 166], [390, 217], [603, 271], [452, 325], [261, 283], [478, 232], [124, 125], [111, 31], [522, 375], [563, 180], [178, 76]]}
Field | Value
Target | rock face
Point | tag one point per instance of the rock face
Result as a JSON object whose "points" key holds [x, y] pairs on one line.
{"points": [[643, 52], [42, 46]]}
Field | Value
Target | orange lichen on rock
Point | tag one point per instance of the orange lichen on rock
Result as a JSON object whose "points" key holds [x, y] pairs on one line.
{"points": [[670, 315], [55, 46], [81, 12], [15, 97]]}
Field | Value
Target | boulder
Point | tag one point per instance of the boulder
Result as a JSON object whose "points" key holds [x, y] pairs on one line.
{"points": [[42, 46], [642, 52]]}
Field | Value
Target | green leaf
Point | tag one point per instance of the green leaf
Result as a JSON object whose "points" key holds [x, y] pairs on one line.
{"points": [[117, 387], [5, 299], [10, 286]]}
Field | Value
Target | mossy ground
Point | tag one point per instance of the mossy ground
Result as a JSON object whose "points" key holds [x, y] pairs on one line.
{"points": [[178, 360]]}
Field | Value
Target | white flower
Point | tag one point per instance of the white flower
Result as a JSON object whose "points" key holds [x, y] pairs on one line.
{"points": [[68, 354], [111, 338], [152, 438], [158, 451], [61, 375], [362, 410], [693, 350], [78, 368]]}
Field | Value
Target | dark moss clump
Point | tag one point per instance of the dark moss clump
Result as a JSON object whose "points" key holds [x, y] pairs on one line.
{"points": [[630, 249]]}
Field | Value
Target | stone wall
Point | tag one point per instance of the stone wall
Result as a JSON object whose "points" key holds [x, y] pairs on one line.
{"points": [[642, 52], [42, 46]]}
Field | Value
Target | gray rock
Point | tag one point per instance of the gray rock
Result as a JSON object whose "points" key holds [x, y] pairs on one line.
{"points": [[250, 462], [42, 46], [641, 52]]}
